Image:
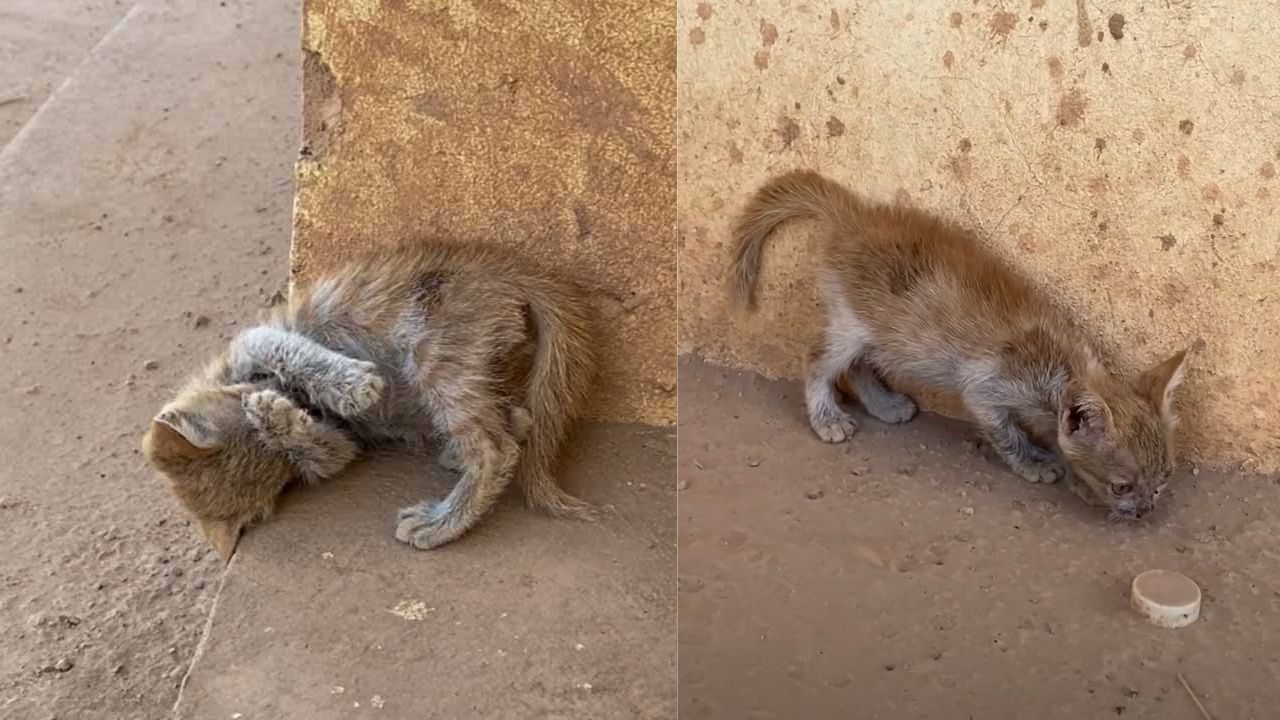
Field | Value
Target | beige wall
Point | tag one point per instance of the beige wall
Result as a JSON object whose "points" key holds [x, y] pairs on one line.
{"points": [[1126, 164], [545, 125]]}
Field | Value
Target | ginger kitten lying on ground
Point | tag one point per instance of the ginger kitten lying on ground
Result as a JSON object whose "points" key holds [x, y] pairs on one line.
{"points": [[911, 296], [468, 343]]}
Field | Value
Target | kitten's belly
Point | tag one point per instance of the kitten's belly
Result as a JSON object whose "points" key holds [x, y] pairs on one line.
{"points": [[937, 356], [943, 370]]}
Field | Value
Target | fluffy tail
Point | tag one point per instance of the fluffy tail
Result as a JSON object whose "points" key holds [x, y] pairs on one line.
{"points": [[797, 194], [559, 385]]}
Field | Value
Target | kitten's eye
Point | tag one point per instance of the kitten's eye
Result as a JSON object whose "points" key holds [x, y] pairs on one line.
{"points": [[1119, 489], [260, 377]]}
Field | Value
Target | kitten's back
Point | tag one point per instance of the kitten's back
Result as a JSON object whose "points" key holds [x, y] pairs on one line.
{"points": [[923, 284], [407, 306], [928, 292]]}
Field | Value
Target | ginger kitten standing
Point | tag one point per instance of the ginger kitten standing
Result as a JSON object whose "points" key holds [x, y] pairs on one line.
{"points": [[470, 344], [909, 296]]}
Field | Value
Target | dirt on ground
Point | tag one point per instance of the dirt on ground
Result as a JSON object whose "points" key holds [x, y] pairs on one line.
{"points": [[904, 574], [144, 217], [324, 615], [41, 44]]}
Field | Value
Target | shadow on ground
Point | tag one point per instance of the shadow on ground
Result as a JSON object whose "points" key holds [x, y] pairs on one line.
{"points": [[903, 575], [323, 614]]}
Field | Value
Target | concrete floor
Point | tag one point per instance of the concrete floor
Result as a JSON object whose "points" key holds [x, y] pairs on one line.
{"points": [[153, 186], [904, 575], [324, 615], [42, 42]]}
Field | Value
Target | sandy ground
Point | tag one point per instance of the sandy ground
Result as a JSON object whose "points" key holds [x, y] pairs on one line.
{"points": [[904, 575], [41, 44], [323, 615], [154, 189]]}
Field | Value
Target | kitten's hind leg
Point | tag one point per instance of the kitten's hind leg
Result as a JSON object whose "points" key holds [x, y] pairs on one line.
{"points": [[488, 453], [450, 457], [830, 359], [316, 448], [879, 401], [1033, 463]]}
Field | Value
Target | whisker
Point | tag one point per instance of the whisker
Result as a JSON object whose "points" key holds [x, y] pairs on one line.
{"points": [[1115, 518]]}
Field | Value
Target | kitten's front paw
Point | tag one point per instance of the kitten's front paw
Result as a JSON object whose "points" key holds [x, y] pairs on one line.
{"points": [[834, 430], [1084, 492], [1050, 471], [269, 410], [259, 404], [363, 389], [427, 525]]}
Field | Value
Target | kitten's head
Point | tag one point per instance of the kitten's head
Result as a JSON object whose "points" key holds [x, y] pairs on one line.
{"points": [[1117, 437], [203, 443]]}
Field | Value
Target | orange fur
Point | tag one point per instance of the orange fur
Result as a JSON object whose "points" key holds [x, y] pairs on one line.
{"points": [[473, 344], [914, 299]]}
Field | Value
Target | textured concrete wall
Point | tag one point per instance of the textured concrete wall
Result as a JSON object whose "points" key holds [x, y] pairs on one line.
{"points": [[546, 125], [1123, 155]]}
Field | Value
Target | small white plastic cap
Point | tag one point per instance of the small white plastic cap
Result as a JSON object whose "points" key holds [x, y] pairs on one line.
{"points": [[1166, 598]]}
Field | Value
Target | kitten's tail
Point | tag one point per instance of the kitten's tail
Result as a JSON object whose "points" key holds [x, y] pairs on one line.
{"points": [[559, 385], [797, 194]]}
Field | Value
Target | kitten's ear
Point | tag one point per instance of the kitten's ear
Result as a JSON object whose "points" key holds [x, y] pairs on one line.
{"points": [[1161, 381], [223, 535], [1083, 416], [180, 434]]}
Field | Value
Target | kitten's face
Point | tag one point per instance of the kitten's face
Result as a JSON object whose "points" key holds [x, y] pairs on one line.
{"points": [[223, 477], [1118, 439], [1128, 473]]}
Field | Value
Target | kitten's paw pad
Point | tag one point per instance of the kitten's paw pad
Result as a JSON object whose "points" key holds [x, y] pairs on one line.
{"points": [[1047, 472], [896, 411], [268, 408], [426, 525], [259, 403], [364, 389], [834, 430]]}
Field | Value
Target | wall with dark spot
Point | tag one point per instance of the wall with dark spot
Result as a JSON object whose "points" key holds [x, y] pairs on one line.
{"points": [[547, 126], [1123, 156]]}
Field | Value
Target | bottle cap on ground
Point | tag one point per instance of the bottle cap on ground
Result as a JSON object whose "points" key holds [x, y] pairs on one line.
{"points": [[1166, 598]]}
